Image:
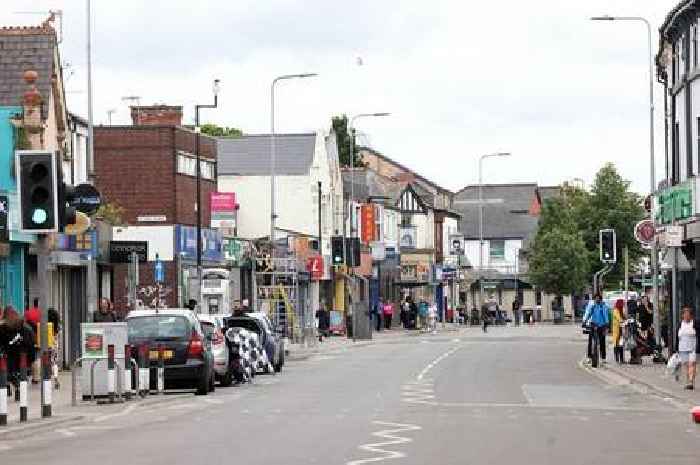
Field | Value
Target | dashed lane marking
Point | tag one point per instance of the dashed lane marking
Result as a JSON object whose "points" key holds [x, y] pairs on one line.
{"points": [[392, 440]]}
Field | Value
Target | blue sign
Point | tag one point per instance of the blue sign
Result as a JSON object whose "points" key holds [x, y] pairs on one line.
{"points": [[186, 243], [159, 270]]}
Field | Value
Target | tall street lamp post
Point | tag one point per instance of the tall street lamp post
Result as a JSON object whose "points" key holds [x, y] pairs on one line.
{"points": [[353, 215], [652, 170], [197, 131], [481, 222]]}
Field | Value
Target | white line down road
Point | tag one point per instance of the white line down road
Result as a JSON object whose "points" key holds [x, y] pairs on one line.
{"points": [[393, 440]]}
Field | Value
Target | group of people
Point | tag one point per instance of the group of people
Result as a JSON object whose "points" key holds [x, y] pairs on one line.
{"points": [[421, 315]]}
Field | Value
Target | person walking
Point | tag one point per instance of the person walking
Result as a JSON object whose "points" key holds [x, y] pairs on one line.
{"points": [[32, 317], [485, 316], [432, 318], [388, 312], [598, 317], [618, 318], [105, 313], [377, 313], [403, 313], [324, 321], [687, 344], [645, 315], [516, 312]]}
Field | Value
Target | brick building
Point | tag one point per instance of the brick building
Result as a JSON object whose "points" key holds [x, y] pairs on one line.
{"points": [[148, 169]]}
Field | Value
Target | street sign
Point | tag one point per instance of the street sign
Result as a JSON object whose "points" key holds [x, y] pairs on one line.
{"points": [[159, 270], [645, 232], [673, 236], [314, 265], [86, 198], [120, 251]]}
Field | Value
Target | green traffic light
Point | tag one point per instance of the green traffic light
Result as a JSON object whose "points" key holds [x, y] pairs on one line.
{"points": [[39, 216]]}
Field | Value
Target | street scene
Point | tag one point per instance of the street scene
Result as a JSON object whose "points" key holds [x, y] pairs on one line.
{"points": [[280, 233]]}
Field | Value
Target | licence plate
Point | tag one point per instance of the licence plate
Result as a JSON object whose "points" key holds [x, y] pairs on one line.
{"points": [[167, 355]]}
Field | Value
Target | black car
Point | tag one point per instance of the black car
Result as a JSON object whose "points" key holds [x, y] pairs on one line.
{"points": [[270, 340], [189, 362]]}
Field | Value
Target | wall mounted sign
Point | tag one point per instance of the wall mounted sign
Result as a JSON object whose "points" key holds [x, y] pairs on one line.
{"points": [[120, 251]]}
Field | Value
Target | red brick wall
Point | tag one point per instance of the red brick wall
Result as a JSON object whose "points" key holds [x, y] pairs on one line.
{"points": [[135, 167], [186, 186], [120, 272], [157, 115]]}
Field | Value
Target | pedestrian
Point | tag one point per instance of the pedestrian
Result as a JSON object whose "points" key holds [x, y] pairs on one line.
{"points": [[618, 318], [403, 312], [687, 344], [423, 314], [32, 316], [324, 323], [645, 315], [598, 317], [191, 305], [105, 313], [377, 311], [432, 317], [485, 316], [16, 337], [413, 314], [388, 311], [516, 312]]}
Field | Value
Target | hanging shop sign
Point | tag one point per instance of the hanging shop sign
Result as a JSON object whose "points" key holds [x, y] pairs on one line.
{"points": [[368, 222], [314, 265], [86, 199], [677, 203], [456, 244], [645, 232]]}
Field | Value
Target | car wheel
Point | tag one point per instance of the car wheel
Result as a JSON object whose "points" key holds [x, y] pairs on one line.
{"points": [[203, 386], [280, 362], [212, 383], [227, 379]]}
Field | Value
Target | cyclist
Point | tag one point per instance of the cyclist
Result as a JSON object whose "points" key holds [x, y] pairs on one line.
{"points": [[597, 316]]}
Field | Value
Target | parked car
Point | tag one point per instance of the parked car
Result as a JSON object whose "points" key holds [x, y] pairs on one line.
{"points": [[270, 340], [189, 361], [213, 326]]}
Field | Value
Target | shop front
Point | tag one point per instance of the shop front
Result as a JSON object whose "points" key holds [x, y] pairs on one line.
{"points": [[415, 276]]}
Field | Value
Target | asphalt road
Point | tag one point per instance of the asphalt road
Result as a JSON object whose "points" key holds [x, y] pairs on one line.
{"points": [[511, 396]]}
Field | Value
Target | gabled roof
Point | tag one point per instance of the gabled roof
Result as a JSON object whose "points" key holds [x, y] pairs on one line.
{"points": [[370, 184], [250, 155], [406, 169], [510, 219], [23, 49], [410, 201]]}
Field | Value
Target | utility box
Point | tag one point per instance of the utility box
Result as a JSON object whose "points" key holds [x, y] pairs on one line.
{"points": [[94, 339]]}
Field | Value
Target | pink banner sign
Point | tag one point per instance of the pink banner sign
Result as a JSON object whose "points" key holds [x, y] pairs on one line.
{"points": [[222, 201]]}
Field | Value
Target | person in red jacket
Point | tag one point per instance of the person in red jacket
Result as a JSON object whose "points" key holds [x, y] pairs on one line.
{"points": [[32, 316]]}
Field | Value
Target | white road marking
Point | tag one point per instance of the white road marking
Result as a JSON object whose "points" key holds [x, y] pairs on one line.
{"points": [[432, 364], [124, 412], [378, 447], [213, 401], [66, 432]]}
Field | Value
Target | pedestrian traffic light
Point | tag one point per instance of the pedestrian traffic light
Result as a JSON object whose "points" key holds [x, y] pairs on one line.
{"points": [[37, 182], [337, 251], [608, 246]]}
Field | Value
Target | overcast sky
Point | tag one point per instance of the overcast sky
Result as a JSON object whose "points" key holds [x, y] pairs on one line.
{"points": [[461, 78]]}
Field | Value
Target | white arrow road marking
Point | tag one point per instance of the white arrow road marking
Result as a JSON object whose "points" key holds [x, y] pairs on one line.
{"points": [[378, 447]]}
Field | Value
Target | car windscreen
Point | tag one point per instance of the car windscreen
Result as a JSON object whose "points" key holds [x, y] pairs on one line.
{"points": [[159, 327]]}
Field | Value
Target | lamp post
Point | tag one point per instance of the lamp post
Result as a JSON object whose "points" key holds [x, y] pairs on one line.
{"points": [[481, 222], [351, 133], [197, 131], [652, 169]]}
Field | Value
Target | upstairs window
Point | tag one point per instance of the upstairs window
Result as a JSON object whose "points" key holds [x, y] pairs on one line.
{"points": [[187, 164], [497, 249]]}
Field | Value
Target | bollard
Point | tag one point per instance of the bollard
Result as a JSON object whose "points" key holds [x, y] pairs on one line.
{"points": [[161, 369], [127, 372], [144, 381], [3, 389], [47, 391], [110, 372], [23, 391]]}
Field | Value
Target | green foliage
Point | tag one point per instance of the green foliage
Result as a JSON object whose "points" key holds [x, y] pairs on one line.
{"points": [[581, 214], [559, 263], [340, 127], [220, 131], [111, 213]]}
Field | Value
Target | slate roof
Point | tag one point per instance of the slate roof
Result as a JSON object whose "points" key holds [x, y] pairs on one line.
{"points": [[22, 49], [369, 183], [250, 155], [508, 220]]}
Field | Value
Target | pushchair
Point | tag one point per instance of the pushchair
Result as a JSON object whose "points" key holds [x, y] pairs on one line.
{"points": [[638, 345]]}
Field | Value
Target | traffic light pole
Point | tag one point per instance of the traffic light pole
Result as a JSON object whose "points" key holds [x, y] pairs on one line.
{"points": [[44, 282]]}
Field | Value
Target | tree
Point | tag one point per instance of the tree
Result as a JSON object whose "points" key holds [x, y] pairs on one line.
{"points": [[558, 259], [340, 127], [220, 131], [111, 213]]}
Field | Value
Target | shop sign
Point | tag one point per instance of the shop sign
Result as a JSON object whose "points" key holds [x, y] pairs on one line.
{"points": [[4, 218], [232, 250], [120, 251], [415, 268], [86, 199], [645, 232], [672, 236], [676, 203], [314, 265], [367, 218], [408, 236], [378, 251], [186, 243], [222, 206]]}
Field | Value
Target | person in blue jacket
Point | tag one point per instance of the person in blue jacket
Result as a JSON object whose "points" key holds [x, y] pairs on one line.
{"points": [[597, 315]]}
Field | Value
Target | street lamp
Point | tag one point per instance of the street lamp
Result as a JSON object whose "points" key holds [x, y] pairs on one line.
{"points": [[481, 222], [351, 132], [197, 130], [652, 170]]}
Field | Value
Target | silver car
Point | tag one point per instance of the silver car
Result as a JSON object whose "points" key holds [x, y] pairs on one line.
{"points": [[213, 324]]}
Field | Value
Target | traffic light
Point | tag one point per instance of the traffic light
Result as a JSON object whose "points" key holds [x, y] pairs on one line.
{"points": [[37, 186], [66, 195], [608, 246], [337, 252]]}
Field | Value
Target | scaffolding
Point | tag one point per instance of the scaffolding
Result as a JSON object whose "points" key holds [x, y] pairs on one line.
{"points": [[279, 295]]}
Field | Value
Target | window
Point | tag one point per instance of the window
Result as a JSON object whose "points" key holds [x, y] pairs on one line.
{"points": [[187, 164], [405, 219], [497, 249], [694, 45]]}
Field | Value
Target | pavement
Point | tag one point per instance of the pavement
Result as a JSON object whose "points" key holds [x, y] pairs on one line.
{"points": [[512, 395]]}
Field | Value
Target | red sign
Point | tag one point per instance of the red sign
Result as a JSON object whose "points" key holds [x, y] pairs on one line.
{"points": [[367, 218], [314, 265], [222, 201], [645, 231]]}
